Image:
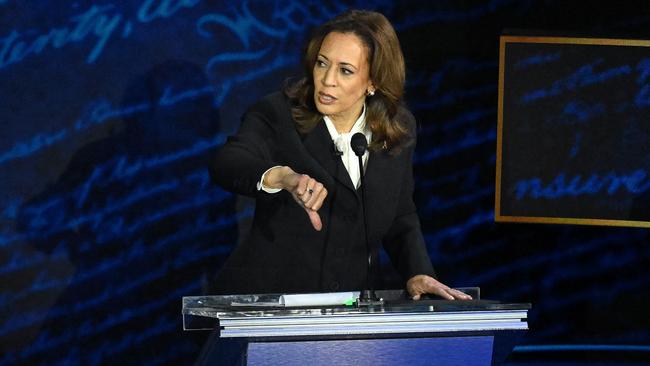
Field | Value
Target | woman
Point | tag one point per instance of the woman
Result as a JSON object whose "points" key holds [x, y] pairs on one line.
{"points": [[292, 154]]}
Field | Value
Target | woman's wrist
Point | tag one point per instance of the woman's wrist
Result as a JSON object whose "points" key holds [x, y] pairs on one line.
{"points": [[274, 178]]}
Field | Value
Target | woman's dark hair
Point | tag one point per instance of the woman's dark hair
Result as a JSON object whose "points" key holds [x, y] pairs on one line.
{"points": [[386, 64]]}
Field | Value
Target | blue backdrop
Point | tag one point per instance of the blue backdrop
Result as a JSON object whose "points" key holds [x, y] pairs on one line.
{"points": [[107, 215]]}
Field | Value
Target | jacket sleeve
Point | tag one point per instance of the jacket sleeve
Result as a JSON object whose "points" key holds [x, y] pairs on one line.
{"points": [[238, 165], [404, 241]]}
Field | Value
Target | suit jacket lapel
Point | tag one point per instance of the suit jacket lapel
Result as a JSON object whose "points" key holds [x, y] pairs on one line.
{"points": [[319, 144], [377, 176]]}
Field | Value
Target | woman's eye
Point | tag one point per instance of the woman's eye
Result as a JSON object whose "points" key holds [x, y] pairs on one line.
{"points": [[346, 71], [320, 63]]}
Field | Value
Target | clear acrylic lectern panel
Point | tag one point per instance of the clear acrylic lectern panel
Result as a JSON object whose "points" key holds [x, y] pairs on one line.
{"points": [[266, 329]]}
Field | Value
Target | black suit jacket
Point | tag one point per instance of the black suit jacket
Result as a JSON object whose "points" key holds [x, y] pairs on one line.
{"points": [[283, 252]]}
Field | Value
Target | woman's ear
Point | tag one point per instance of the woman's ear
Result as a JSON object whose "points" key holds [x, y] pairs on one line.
{"points": [[370, 91]]}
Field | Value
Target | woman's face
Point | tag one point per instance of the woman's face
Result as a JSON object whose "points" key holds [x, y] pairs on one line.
{"points": [[341, 78]]}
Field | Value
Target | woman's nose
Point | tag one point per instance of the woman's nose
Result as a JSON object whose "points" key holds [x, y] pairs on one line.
{"points": [[329, 78]]}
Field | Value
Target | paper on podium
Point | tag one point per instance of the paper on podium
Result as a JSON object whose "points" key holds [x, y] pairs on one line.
{"points": [[296, 300], [319, 299]]}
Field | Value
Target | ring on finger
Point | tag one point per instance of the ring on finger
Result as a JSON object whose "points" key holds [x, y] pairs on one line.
{"points": [[310, 191]]}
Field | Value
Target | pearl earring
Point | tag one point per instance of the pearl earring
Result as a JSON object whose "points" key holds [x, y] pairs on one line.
{"points": [[371, 93]]}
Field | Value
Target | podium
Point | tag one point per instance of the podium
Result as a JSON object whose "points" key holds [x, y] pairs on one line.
{"points": [[262, 330]]}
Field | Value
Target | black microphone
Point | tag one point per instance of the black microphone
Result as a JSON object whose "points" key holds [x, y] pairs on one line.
{"points": [[359, 145], [367, 297]]}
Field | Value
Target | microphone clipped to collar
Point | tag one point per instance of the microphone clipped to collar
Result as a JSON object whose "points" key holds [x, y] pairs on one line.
{"points": [[359, 143]]}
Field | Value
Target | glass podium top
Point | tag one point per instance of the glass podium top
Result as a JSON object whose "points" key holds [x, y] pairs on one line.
{"points": [[332, 314]]}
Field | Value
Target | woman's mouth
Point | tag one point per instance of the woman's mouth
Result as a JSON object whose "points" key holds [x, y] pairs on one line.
{"points": [[324, 98]]}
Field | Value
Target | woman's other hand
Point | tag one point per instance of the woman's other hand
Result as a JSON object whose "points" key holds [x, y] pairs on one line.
{"points": [[422, 284], [306, 191]]}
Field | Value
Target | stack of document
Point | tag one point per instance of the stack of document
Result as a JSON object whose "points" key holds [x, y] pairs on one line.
{"points": [[305, 300]]}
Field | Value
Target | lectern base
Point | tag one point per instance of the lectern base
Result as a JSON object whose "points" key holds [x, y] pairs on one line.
{"points": [[398, 352], [480, 350]]}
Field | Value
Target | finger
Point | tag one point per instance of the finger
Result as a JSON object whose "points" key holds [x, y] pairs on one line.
{"points": [[440, 290], [315, 219], [311, 185], [313, 194], [456, 294], [459, 294], [444, 294], [301, 187], [416, 297], [319, 200], [308, 193], [298, 200]]}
